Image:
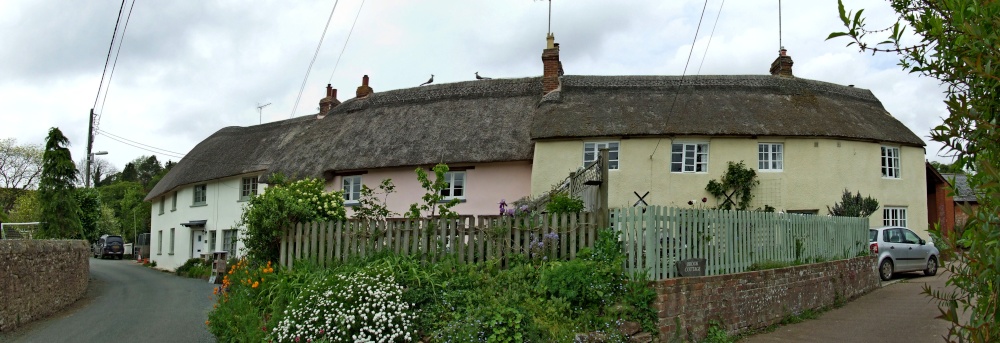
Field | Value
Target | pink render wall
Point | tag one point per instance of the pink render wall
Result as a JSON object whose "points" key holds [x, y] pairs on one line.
{"points": [[485, 185]]}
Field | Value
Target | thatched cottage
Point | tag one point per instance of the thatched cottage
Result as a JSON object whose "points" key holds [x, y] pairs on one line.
{"points": [[510, 138]]}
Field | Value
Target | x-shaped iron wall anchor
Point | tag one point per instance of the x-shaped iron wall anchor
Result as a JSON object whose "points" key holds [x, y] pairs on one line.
{"points": [[642, 199]]}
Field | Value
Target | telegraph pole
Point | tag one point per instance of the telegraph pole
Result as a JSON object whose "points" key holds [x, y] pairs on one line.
{"points": [[90, 146]]}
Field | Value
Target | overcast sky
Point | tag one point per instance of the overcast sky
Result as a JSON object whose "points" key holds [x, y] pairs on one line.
{"points": [[189, 68]]}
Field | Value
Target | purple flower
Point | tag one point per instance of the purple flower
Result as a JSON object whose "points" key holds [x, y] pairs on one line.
{"points": [[690, 202], [704, 199]]}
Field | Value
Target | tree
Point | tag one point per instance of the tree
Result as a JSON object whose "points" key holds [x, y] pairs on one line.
{"points": [[26, 209], [958, 46], [736, 186], [56, 190], [370, 206], [947, 168], [20, 170], [102, 172], [90, 212], [435, 204], [853, 206]]}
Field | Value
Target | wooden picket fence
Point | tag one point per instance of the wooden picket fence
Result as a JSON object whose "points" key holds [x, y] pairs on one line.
{"points": [[655, 238], [469, 239]]}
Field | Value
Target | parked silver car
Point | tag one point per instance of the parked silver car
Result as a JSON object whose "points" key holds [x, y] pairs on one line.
{"points": [[900, 250]]}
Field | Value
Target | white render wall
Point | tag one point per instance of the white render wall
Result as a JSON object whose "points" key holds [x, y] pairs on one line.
{"points": [[222, 211], [816, 172]]}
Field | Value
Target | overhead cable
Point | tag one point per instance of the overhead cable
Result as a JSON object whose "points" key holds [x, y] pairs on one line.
{"points": [[318, 45]]}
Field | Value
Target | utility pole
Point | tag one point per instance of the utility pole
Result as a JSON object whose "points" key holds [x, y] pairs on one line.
{"points": [[90, 146], [260, 111]]}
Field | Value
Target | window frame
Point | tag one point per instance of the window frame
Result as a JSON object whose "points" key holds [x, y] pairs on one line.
{"points": [[768, 163], [203, 193], [450, 178], [229, 240], [695, 158], [351, 187], [594, 148], [894, 216], [159, 242], [248, 187], [889, 161], [173, 204], [163, 203], [173, 234]]}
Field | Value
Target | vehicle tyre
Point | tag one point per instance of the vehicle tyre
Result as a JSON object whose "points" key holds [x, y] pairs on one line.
{"points": [[932, 266], [885, 269]]}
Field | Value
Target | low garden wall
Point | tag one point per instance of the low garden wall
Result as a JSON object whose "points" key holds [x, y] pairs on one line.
{"points": [[38, 278], [753, 300]]}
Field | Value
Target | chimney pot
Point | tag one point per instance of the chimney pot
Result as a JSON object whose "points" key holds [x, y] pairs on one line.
{"points": [[782, 66], [364, 90], [551, 66], [364, 80], [329, 102], [329, 90]]}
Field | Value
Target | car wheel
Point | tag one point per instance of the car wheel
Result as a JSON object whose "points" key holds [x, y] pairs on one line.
{"points": [[885, 270], [932, 266]]}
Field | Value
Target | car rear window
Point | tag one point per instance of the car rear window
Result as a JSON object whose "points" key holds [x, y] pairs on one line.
{"points": [[872, 235], [113, 239]]}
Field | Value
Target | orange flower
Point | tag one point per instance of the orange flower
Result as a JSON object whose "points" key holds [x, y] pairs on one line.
{"points": [[206, 322], [215, 290], [255, 284]]}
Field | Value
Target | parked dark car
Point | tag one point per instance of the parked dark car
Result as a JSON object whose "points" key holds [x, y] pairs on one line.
{"points": [[109, 245]]}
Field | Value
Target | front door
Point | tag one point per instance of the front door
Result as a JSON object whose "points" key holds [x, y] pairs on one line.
{"points": [[198, 240]]}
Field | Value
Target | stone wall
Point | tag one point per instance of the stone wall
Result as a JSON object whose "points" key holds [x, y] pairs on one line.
{"points": [[753, 300], [38, 278]]}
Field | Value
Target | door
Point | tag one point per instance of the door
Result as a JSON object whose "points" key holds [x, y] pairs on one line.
{"points": [[916, 253], [897, 248], [198, 240]]}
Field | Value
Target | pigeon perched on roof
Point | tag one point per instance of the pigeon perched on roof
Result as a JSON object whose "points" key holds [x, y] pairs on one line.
{"points": [[482, 77], [428, 81]]}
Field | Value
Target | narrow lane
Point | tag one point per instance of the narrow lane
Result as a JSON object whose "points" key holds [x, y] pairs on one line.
{"points": [[127, 302], [897, 312]]}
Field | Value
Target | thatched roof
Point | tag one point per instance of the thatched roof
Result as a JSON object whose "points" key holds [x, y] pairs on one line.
{"points": [[739, 105], [498, 120], [465, 122]]}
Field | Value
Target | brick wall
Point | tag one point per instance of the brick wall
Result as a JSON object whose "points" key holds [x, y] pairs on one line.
{"points": [[752, 300], [38, 278]]}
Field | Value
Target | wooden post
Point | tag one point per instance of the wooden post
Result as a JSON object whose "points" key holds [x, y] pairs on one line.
{"points": [[604, 216]]}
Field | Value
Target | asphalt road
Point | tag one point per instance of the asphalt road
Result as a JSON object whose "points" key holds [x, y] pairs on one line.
{"points": [[126, 302], [895, 313]]}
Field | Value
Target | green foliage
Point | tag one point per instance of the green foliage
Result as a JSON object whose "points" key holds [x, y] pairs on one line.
{"points": [[563, 203], [131, 213], [717, 333], [434, 203], [268, 215], [90, 212], [736, 186], [947, 168], [958, 48], [577, 281], [26, 209], [20, 170], [195, 268], [370, 206], [56, 190], [854, 205]]}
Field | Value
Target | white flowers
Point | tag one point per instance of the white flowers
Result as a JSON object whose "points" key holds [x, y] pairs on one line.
{"points": [[366, 306]]}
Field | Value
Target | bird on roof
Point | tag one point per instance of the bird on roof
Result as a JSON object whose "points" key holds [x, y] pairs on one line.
{"points": [[428, 81], [482, 77]]}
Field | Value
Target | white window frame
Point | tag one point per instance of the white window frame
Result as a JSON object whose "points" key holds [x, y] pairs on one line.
{"points": [[894, 216], [463, 187], [173, 204], [592, 151], [890, 162], [229, 239], [159, 242], [172, 235], [248, 188], [770, 157], [699, 158], [163, 202], [204, 195], [351, 186]]}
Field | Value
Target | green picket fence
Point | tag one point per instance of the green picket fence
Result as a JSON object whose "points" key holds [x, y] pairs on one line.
{"points": [[656, 238], [468, 239]]}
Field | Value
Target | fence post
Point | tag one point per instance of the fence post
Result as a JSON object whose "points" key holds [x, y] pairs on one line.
{"points": [[604, 190]]}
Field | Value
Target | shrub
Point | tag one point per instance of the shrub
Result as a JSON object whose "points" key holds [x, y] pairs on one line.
{"points": [[364, 306], [563, 203]]}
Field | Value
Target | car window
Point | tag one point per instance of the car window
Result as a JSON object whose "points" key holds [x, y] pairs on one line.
{"points": [[114, 239], [910, 237], [872, 235], [892, 236]]}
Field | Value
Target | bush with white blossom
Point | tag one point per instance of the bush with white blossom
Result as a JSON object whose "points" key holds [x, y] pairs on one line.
{"points": [[362, 306]]}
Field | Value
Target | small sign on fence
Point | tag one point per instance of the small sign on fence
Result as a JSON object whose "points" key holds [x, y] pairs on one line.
{"points": [[691, 267]]}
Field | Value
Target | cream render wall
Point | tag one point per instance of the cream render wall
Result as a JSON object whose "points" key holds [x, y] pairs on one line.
{"points": [[816, 172], [486, 185], [222, 211]]}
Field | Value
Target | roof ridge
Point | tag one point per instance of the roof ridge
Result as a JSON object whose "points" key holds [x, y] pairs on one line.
{"points": [[743, 81], [464, 89]]}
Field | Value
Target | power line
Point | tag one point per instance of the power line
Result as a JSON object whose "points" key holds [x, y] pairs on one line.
{"points": [[681, 83], [712, 35], [303, 87], [143, 148], [146, 145], [345, 42], [108, 59], [121, 41]]}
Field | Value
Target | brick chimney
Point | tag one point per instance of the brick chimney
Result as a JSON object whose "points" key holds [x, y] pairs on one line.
{"points": [[364, 90], [782, 66], [551, 66], [329, 102]]}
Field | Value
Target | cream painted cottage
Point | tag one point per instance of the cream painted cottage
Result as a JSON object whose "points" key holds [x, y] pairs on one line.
{"points": [[511, 138]]}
